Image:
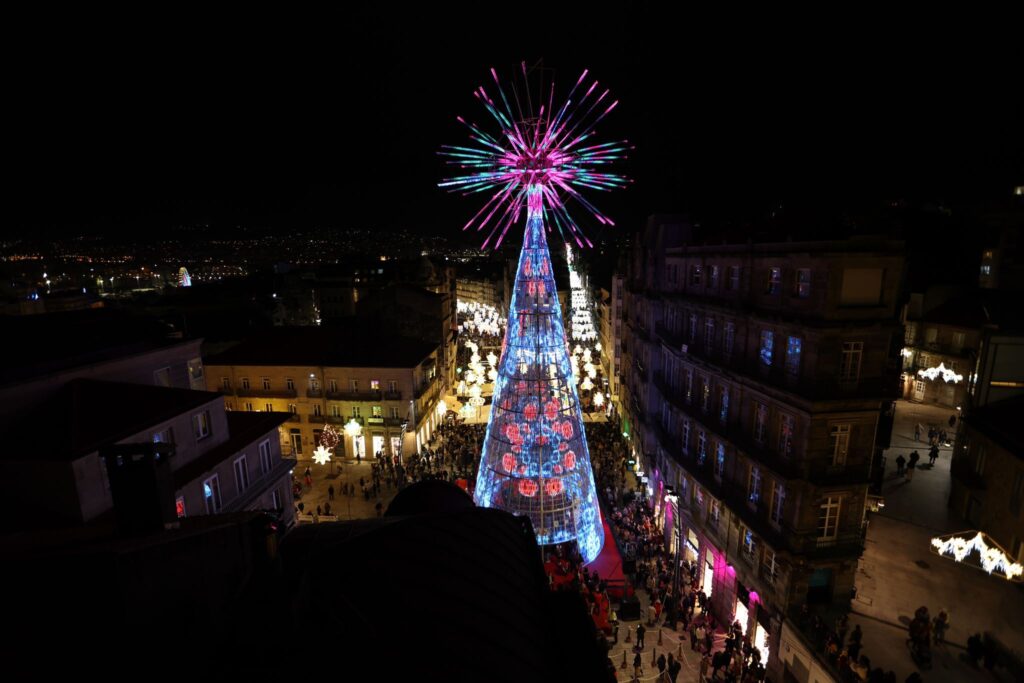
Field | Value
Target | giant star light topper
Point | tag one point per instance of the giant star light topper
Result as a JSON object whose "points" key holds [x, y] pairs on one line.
{"points": [[535, 459]]}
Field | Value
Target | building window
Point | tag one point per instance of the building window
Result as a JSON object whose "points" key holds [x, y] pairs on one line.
{"points": [[245, 383], [714, 512], [709, 334], [695, 275], [353, 385], [774, 281], [705, 394], [378, 411], [266, 383], [840, 444], [693, 328], [931, 334], [211, 495], [269, 407], [293, 409], [289, 383], [179, 506], [317, 409], [850, 369], [162, 377], [335, 410], [720, 460], [734, 278], [392, 386], [394, 413], [713, 277], [786, 429], [986, 269], [356, 411], [754, 484], [778, 502], [749, 546], [164, 436], [958, 341], [767, 342], [248, 406], [828, 519], [686, 436], [374, 385], [275, 500], [769, 570], [728, 337], [760, 422], [793, 347], [201, 424], [688, 386], [723, 404], [702, 446], [803, 283], [241, 475], [264, 457], [225, 383]]}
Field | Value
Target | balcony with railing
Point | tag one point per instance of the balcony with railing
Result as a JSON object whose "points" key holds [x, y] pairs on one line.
{"points": [[314, 393], [255, 392], [392, 395], [354, 396], [316, 419]]}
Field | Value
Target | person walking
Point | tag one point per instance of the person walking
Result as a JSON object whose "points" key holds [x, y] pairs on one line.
{"points": [[640, 631], [917, 432], [901, 464], [662, 665], [330, 492], [674, 668], [638, 666], [912, 463], [933, 455]]}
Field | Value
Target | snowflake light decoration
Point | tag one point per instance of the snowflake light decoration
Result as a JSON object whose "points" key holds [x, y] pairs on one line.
{"points": [[321, 455]]}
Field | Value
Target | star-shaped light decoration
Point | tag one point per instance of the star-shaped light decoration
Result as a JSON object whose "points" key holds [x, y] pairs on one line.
{"points": [[321, 456]]}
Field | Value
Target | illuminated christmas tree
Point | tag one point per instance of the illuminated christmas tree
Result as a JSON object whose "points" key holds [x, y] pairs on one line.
{"points": [[535, 459]]}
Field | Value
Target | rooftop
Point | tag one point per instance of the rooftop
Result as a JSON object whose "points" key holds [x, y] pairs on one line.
{"points": [[46, 344], [86, 414], [244, 428], [326, 346]]}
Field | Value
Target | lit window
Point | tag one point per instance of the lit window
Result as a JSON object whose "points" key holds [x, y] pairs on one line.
{"points": [[720, 460], [767, 341], [688, 387], [828, 519], [695, 275], [754, 484], [179, 506], [840, 443], [774, 281], [778, 502], [374, 385], [793, 347], [850, 368], [803, 283], [749, 546], [786, 429], [723, 405], [378, 411], [760, 422], [211, 495], [702, 447]]}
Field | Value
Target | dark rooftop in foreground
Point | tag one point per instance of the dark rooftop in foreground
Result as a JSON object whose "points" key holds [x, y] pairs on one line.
{"points": [[78, 419], [49, 343], [339, 346]]}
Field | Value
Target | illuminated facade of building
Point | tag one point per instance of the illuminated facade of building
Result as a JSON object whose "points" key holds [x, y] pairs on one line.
{"points": [[756, 385]]}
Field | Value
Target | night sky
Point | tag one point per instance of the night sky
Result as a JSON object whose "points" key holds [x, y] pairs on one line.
{"points": [[113, 135]]}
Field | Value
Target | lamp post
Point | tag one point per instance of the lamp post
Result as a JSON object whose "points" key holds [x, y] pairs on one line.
{"points": [[352, 429]]}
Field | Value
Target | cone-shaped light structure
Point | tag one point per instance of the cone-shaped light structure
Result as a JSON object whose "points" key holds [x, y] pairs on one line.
{"points": [[535, 459]]}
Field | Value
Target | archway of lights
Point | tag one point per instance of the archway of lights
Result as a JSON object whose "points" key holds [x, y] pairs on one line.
{"points": [[535, 459]]}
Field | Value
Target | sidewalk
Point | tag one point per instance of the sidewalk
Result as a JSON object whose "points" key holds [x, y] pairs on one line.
{"points": [[899, 573], [344, 471]]}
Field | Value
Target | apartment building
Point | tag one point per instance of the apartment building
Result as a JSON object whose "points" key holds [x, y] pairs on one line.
{"points": [[610, 334], [757, 387], [385, 389]]}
